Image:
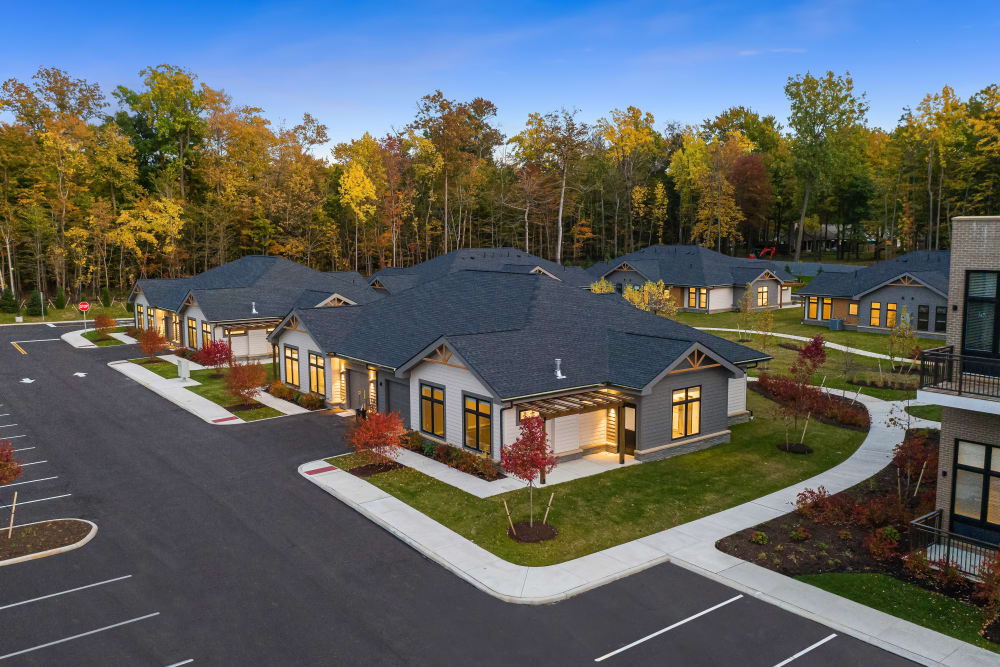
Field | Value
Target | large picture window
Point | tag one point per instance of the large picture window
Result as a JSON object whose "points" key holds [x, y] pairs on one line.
{"points": [[976, 494], [292, 365], [317, 374], [982, 308], [687, 412], [432, 410], [192, 340], [923, 317], [890, 315], [827, 308], [875, 314], [478, 431], [762, 296]]}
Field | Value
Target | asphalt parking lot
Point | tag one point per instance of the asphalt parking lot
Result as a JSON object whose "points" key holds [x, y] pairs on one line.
{"points": [[212, 550]]}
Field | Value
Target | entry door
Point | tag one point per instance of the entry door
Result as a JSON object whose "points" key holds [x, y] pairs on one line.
{"points": [[628, 428]]}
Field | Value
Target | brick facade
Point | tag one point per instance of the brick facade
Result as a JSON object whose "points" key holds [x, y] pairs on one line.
{"points": [[975, 244]]}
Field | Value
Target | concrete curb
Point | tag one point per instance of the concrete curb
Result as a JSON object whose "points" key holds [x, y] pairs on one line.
{"points": [[32, 324], [76, 339], [57, 550]]}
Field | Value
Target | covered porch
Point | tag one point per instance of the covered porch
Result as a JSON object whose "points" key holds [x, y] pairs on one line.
{"points": [[597, 426], [248, 340]]}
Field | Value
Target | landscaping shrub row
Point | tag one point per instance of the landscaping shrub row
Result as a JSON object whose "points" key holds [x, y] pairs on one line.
{"points": [[829, 409], [309, 401], [480, 465]]}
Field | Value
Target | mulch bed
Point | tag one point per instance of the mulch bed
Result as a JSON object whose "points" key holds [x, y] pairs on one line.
{"points": [[370, 469], [540, 532], [239, 407], [40, 537], [882, 385], [795, 448], [992, 631], [743, 340], [754, 386], [790, 346]]}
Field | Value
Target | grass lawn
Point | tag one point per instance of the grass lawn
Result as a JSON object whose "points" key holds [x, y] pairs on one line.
{"points": [[789, 321], [932, 412], [214, 389], [907, 601], [69, 313], [603, 510], [833, 370], [92, 336]]}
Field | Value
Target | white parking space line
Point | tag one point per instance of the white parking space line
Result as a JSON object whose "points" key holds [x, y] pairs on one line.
{"points": [[806, 650], [6, 414], [32, 481], [666, 629], [40, 500], [38, 340], [182, 662], [11, 437], [82, 634], [7, 425], [22, 449], [49, 324], [71, 590], [34, 463]]}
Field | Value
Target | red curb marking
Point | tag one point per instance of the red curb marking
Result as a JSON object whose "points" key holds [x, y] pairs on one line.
{"points": [[316, 471], [224, 419]]}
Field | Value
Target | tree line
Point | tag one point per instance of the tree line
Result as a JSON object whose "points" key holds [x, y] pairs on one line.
{"points": [[175, 177]]}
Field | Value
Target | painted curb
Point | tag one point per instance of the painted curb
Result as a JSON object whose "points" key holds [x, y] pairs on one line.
{"points": [[57, 550]]}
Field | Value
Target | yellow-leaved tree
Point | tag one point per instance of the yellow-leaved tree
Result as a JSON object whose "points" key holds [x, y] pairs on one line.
{"points": [[602, 286], [357, 192], [150, 231], [652, 297]]}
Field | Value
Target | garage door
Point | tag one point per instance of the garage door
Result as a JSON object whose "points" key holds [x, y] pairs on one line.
{"points": [[398, 398]]}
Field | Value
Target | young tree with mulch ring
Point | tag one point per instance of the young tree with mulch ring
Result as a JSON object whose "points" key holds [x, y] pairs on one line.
{"points": [[528, 457], [152, 342], [244, 380], [377, 439]]}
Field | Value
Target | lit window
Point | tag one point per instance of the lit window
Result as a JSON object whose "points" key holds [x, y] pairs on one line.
{"points": [[875, 314], [890, 315], [813, 307], [478, 432], [372, 394], [977, 484], [292, 365], [827, 308], [703, 298], [432, 410], [526, 414], [192, 340], [762, 296], [692, 297], [852, 309], [317, 374], [206, 333], [140, 319], [686, 412]]}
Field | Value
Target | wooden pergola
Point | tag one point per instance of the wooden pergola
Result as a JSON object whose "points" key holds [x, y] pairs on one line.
{"points": [[574, 404]]}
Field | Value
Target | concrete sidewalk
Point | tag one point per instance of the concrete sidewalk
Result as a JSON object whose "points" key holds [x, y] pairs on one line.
{"points": [[691, 545], [76, 339], [805, 339], [279, 404], [174, 390]]}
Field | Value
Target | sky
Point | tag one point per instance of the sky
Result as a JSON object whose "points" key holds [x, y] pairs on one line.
{"points": [[361, 67]]}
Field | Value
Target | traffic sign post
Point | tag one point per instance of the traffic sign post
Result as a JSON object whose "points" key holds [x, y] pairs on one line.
{"points": [[84, 307]]}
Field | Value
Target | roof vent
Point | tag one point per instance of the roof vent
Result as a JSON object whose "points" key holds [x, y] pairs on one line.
{"points": [[559, 373], [253, 308]]}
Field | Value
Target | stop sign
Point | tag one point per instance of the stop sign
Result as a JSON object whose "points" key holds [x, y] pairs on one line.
{"points": [[84, 306]]}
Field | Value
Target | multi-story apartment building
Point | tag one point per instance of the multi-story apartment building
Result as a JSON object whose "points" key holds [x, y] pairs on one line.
{"points": [[964, 378]]}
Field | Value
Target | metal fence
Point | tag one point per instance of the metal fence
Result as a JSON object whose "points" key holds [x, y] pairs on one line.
{"points": [[966, 553], [943, 370]]}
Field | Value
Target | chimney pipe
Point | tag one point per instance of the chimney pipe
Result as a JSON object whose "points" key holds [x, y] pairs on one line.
{"points": [[253, 308], [559, 373]]}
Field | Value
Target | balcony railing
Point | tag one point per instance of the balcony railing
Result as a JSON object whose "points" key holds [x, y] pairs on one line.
{"points": [[966, 553], [944, 371]]}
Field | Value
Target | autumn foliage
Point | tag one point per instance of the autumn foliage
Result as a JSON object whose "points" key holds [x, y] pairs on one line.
{"points": [[104, 324], [152, 342], [529, 456], [243, 381], [10, 468], [377, 436], [215, 354]]}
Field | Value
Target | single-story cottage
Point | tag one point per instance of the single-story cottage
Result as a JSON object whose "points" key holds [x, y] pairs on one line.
{"points": [[393, 280], [701, 280], [873, 298], [465, 357], [241, 301]]}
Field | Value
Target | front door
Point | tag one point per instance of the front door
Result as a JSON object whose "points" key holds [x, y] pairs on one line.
{"points": [[628, 429]]}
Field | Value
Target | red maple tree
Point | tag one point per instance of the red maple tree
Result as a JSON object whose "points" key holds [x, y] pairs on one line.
{"points": [[243, 381], [528, 457], [215, 354], [377, 436], [10, 468], [152, 342]]}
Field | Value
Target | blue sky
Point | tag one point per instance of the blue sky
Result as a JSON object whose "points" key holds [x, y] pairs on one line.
{"points": [[361, 66]]}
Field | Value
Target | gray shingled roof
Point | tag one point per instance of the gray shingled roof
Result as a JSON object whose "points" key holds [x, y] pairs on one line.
{"points": [[274, 284], [928, 266], [690, 265], [507, 260], [510, 328]]}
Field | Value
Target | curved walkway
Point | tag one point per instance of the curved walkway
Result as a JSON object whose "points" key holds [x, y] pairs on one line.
{"points": [[691, 545], [805, 339]]}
